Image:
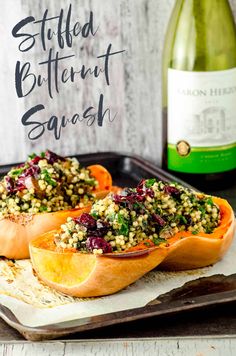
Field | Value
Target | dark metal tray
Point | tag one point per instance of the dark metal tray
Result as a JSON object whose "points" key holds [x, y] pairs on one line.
{"points": [[127, 171]]}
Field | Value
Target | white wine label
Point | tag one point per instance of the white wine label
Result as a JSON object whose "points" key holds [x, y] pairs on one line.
{"points": [[202, 107], [202, 120]]}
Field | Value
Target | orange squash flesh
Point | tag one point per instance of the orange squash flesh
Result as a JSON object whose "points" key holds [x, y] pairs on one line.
{"points": [[17, 230], [88, 275], [102, 176]]}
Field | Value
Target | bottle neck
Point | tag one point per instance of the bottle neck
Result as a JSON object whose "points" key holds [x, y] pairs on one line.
{"points": [[201, 36], [205, 36]]}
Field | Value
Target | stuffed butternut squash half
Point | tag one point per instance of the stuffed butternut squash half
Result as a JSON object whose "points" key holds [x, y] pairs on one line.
{"points": [[40, 194], [123, 236]]}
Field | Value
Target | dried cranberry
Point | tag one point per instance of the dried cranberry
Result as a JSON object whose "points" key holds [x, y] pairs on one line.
{"points": [[53, 157], [35, 160], [139, 198], [143, 191], [117, 198], [20, 184], [122, 198], [9, 184], [129, 196], [94, 242], [168, 189], [132, 197], [150, 192], [158, 219], [32, 172], [141, 186], [101, 229], [87, 221]]}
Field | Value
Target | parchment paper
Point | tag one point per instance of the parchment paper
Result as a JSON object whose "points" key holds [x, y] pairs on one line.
{"points": [[35, 304]]}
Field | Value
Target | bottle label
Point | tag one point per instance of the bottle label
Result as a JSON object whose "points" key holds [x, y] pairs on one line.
{"points": [[201, 121]]}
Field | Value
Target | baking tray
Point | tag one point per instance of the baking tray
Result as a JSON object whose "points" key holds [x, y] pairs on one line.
{"points": [[128, 170]]}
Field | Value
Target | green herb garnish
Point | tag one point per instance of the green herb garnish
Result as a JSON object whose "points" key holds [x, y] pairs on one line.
{"points": [[210, 201], [94, 214], [182, 219], [208, 229], [193, 199], [149, 182], [137, 205], [48, 178], [33, 155], [91, 182], [16, 172], [157, 241], [124, 228], [43, 208], [202, 210]]}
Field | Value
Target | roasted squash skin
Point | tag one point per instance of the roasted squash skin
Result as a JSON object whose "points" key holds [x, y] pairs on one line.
{"points": [[16, 231], [88, 275]]}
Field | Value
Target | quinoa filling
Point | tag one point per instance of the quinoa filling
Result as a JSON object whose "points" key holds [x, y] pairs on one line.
{"points": [[150, 214], [45, 183]]}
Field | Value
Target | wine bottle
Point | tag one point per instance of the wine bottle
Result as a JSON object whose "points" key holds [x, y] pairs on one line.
{"points": [[199, 93]]}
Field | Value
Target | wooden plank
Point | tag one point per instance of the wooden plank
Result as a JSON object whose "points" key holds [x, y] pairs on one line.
{"points": [[135, 93], [150, 347]]}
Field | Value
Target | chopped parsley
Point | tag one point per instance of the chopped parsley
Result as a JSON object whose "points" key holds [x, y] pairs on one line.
{"points": [[124, 226], [138, 205], [157, 241], [208, 229], [94, 214], [149, 182], [90, 182], [30, 157], [48, 178], [182, 219], [16, 172], [210, 201], [202, 210]]}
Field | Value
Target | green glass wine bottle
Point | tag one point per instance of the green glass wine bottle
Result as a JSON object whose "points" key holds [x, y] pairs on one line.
{"points": [[199, 93]]}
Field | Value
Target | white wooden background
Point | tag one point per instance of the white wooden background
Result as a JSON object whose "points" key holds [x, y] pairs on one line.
{"points": [[138, 26]]}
